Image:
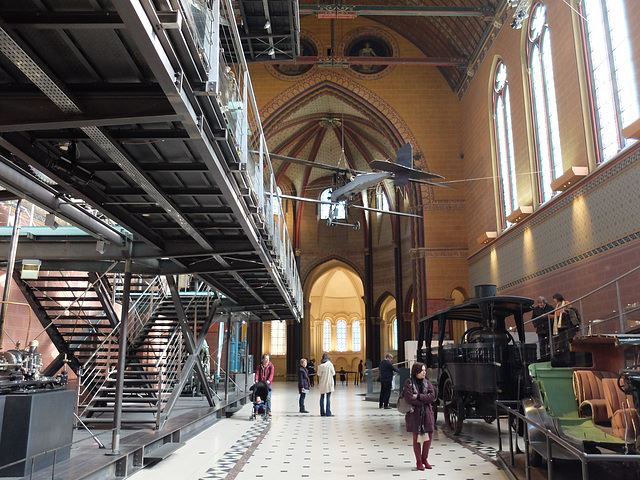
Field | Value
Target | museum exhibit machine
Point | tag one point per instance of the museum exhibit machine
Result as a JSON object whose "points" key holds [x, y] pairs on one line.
{"points": [[36, 414]]}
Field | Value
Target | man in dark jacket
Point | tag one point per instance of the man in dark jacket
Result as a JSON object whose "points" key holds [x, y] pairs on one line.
{"points": [[541, 323], [386, 378]]}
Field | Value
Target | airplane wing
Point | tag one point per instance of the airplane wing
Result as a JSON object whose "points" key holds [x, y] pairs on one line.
{"points": [[305, 199], [313, 200], [402, 214], [359, 183], [308, 163]]}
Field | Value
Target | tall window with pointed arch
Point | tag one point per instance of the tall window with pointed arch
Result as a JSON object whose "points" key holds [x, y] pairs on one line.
{"points": [[355, 335], [341, 335], [504, 143], [278, 337], [543, 102], [611, 73], [326, 335], [394, 334], [340, 212], [382, 200]]}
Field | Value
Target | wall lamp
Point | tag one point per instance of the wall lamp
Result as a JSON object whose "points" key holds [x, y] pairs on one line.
{"points": [[486, 237], [30, 269], [632, 131], [520, 213], [569, 178]]}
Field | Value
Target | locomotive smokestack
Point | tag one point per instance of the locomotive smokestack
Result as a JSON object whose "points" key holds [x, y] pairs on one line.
{"points": [[487, 290]]}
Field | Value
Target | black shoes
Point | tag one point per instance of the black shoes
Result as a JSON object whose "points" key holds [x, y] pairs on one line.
{"points": [[304, 411]]}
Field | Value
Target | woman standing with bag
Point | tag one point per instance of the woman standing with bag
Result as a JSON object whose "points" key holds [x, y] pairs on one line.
{"points": [[420, 394]]}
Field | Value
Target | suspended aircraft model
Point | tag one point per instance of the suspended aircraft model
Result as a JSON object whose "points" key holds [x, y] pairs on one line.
{"points": [[348, 186]]}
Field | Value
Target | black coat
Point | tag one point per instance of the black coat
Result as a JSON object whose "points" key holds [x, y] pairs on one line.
{"points": [[303, 379], [542, 324]]}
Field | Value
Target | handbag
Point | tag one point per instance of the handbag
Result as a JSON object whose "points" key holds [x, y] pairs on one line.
{"points": [[403, 406]]}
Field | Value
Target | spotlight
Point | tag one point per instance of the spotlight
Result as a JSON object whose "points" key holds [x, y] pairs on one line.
{"points": [[101, 247], [267, 24], [271, 51], [50, 221]]}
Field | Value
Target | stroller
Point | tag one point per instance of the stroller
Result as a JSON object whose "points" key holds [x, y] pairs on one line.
{"points": [[259, 392]]}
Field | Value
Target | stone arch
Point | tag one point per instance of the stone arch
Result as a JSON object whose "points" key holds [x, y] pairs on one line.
{"points": [[334, 291]]}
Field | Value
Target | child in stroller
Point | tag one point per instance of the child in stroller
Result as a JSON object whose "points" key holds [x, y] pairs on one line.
{"points": [[259, 391]]}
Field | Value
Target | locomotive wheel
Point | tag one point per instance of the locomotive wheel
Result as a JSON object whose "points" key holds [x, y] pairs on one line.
{"points": [[453, 408]]}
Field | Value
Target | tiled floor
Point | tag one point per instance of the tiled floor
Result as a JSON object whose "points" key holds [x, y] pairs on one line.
{"points": [[359, 441]]}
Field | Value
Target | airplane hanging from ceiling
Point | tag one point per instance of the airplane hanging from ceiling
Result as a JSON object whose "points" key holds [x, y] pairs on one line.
{"points": [[401, 172]]}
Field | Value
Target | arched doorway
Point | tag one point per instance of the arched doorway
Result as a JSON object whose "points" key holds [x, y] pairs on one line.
{"points": [[335, 314]]}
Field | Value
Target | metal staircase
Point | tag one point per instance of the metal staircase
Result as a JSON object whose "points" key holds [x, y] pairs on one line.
{"points": [[166, 328], [156, 361]]}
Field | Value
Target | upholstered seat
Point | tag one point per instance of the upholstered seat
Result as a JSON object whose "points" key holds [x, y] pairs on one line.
{"points": [[625, 420], [587, 385]]}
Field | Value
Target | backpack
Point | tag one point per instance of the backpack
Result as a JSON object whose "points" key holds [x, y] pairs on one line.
{"points": [[574, 316]]}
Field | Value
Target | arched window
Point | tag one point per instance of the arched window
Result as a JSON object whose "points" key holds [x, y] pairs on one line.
{"points": [[326, 335], [382, 200], [394, 334], [278, 337], [504, 143], [341, 336], [611, 70], [543, 102], [355, 335], [340, 210]]}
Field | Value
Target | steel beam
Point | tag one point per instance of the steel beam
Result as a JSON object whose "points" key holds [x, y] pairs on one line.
{"points": [[352, 11]]}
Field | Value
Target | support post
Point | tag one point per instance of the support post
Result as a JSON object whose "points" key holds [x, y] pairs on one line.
{"points": [[9, 273], [122, 358]]}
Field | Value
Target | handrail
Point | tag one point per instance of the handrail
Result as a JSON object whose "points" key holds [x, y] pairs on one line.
{"points": [[173, 355], [116, 329], [232, 86], [603, 325], [583, 457]]}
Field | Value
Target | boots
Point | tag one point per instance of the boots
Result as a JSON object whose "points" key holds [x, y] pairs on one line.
{"points": [[425, 453], [417, 453]]}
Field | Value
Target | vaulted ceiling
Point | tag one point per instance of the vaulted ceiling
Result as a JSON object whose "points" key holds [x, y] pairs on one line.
{"points": [[329, 124]]}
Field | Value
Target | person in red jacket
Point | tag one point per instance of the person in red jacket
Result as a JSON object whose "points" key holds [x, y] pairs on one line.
{"points": [[264, 373]]}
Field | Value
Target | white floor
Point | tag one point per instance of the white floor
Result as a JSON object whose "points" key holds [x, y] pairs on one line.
{"points": [[359, 441]]}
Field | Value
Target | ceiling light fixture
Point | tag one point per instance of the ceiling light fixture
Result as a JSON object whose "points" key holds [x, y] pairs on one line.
{"points": [[267, 24], [271, 51]]}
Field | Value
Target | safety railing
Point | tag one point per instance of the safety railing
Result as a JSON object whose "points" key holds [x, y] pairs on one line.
{"points": [[552, 443], [228, 73], [96, 370], [613, 308]]}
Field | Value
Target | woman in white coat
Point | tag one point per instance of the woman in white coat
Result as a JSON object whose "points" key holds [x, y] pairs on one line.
{"points": [[325, 372]]}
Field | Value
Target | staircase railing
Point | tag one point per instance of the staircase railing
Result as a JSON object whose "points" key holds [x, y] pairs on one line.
{"points": [[174, 354], [169, 368], [103, 361]]}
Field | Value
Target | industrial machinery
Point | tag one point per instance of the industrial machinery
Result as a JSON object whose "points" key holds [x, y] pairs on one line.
{"points": [[483, 364], [20, 371]]}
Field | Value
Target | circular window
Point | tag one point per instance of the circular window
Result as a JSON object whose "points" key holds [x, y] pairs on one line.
{"points": [[307, 49], [368, 47]]}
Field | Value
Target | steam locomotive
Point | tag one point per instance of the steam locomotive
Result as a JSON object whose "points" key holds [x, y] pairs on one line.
{"points": [[482, 365]]}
